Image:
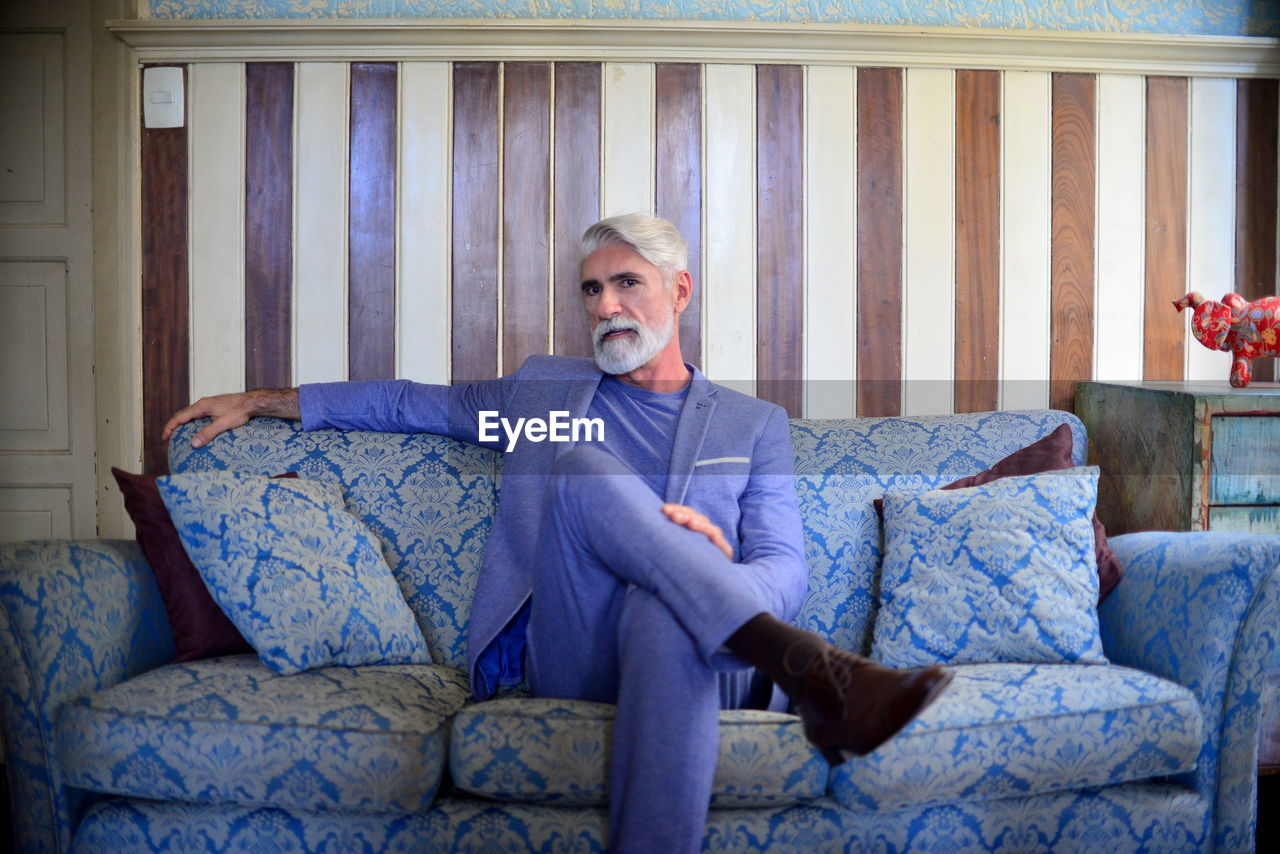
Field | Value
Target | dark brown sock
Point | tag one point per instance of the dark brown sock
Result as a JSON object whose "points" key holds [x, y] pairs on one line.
{"points": [[781, 650]]}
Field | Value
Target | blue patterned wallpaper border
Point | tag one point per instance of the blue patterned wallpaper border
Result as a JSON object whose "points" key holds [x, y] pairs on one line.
{"points": [[1186, 17]]}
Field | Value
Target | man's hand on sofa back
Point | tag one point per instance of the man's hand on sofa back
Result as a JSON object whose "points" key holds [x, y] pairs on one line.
{"points": [[228, 411]]}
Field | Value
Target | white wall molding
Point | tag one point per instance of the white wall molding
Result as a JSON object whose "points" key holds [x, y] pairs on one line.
{"points": [[698, 41]]}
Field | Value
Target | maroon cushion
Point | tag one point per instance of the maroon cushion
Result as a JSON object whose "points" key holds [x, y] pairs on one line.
{"points": [[1051, 453], [200, 628]]}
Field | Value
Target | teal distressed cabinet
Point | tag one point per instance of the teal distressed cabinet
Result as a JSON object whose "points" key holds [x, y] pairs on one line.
{"points": [[1190, 456], [1184, 456]]}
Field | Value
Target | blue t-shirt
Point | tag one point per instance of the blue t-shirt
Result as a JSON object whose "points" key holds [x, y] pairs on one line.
{"points": [[639, 427]]}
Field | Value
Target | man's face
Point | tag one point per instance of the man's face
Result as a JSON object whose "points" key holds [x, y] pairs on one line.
{"points": [[631, 312]]}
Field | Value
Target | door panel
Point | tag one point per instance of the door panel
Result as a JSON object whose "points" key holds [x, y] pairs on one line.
{"points": [[47, 486], [32, 150], [33, 386], [35, 514]]}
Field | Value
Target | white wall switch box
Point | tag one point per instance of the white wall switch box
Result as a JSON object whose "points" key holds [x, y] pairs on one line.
{"points": [[162, 98]]}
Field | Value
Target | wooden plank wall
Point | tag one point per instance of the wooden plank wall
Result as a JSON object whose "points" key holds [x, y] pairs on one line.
{"points": [[866, 241], [977, 246], [165, 305], [678, 192], [371, 236], [526, 195], [779, 229], [476, 241], [879, 254], [1256, 132], [1164, 332], [1074, 161], [268, 224]]}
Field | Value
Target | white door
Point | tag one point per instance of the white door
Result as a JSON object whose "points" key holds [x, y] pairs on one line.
{"points": [[47, 486]]}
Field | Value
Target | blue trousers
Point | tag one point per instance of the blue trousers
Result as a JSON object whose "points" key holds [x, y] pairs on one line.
{"points": [[630, 608]]}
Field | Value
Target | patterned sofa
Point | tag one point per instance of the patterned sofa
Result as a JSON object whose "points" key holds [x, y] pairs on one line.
{"points": [[111, 748]]}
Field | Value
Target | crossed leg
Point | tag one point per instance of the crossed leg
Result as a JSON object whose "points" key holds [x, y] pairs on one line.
{"points": [[630, 608]]}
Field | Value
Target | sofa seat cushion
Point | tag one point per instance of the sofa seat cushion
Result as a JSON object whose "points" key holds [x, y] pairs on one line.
{"points": [[228, 729], [1005, 730], [556, 752]]}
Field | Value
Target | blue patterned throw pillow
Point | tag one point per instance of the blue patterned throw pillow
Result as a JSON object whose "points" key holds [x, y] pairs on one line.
{"points": [[301, 578], [1002, 572]]}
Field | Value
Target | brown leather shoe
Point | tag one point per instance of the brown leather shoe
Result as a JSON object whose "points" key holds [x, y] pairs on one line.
{"points": [[851, 705]]}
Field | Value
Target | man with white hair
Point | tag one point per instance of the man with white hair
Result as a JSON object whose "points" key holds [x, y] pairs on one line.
{"points": [[669, 550]]}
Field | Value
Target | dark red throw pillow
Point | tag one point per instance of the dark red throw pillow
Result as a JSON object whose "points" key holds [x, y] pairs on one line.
{"points": [[200, 628], [1051, 453]]}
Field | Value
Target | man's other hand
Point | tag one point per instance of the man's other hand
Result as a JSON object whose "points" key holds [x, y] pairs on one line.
{"points": [[695, 521], [228, 411]]}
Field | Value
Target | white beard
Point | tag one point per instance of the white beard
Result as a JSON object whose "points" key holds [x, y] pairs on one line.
{"points": [[623, 355]]}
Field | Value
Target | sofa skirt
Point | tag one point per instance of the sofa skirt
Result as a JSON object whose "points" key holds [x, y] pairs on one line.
{"points": [[1134, 817]]}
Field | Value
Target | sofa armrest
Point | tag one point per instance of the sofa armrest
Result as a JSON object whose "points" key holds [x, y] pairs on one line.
{"points": [[1203, 609], [75, 617]]}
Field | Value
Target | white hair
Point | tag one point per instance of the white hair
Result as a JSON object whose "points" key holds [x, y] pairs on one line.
{"points": [[656, 240]]}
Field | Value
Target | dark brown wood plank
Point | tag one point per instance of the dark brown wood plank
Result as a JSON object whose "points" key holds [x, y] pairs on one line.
{"points": [[577, 194], [371, 313], [166, 377], [779, 235], [678, 169], [1163, 329], [1256, 132], [526, 189], [268, 225], [977, 331], [1074, 166], [880, 187], [475, 220]]}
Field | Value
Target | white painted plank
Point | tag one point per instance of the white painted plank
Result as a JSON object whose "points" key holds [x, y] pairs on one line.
{"points": [[422, 280], [1026, 178], [1121, 224], [627, 141], [1211, 212], [320, 216], [929, 274], [830, 336], [729, 283], [216, 139]]}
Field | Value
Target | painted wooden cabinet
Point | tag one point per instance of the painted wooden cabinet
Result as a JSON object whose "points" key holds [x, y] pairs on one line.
{"points": [[1190, 456], [1184, 456]]}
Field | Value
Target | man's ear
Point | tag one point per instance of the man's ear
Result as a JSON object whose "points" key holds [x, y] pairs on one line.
{"points": [[683, 286]]}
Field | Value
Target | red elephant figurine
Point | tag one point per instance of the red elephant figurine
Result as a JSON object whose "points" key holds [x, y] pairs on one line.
{"points": [[1247, 330]]}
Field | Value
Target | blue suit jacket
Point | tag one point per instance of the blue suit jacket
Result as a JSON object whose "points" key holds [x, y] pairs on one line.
{"points": [[731, 460]]}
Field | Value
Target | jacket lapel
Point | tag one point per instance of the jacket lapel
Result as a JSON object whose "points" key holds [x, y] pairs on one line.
{"points": [[691, 429], [578, 394]]}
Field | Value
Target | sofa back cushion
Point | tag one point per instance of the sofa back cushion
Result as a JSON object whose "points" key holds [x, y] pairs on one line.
{"points": [[842, 466], [429, 500]]}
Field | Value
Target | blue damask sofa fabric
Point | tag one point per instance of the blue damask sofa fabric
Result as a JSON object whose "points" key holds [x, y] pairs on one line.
{"points": [[232, 731], [303, 580], [529, 750], [1021, 590], [1007, 730], [111, 748], [429, 500]]}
